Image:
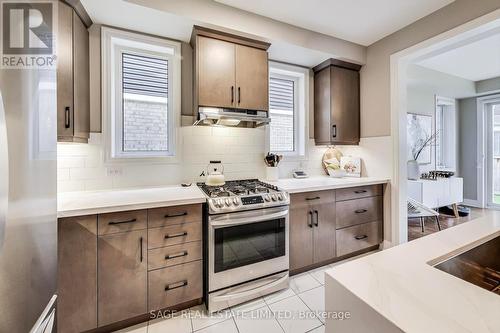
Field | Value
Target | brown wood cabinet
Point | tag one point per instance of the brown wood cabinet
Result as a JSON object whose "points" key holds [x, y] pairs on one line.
{"points": [[107, 262], [230, 71], [312, 228], [122, 276], [336, 103], [73, 100], [77, 274]]}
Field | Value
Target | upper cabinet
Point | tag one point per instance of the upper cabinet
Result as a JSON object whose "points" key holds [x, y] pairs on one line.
{"points": [[73, 101], [336, 103], [230, 71]]}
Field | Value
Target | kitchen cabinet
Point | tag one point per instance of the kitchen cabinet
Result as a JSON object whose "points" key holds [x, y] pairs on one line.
{"points": [[122, 276], [230, 71], [73, 88], [116, 266], [331, 225], [77, 274], [312, 228], [336, 103]]}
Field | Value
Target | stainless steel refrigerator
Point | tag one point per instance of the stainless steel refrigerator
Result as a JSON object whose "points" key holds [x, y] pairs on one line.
{"points": [[28, 222]]}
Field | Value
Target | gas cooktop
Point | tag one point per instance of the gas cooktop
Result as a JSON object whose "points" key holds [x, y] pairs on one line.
{"points": [[236, 195]]}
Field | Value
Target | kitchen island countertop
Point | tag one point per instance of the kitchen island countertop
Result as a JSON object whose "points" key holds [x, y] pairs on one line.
{"points": [[399, 290]]}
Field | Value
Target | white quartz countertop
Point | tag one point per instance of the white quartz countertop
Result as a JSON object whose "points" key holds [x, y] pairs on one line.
{"points": [[297, 185], [96, 202], [401, 285]]}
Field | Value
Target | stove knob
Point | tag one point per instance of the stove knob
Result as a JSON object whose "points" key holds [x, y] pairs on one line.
{"points": [[280, 196], [216, 203], [228, 202], [236, 202], [267, 198], [273, 196]]}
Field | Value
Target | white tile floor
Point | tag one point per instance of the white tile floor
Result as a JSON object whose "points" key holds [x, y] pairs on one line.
{"points": [[278, 312]]}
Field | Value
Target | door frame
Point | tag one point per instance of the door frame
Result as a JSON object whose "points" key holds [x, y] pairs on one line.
{"points": [[484, 151], [399, 62]]}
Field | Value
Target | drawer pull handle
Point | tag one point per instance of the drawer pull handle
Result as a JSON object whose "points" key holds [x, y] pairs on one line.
{"points": [[122, 222], [361, 237], [140, 243], [360, 211], [176, 215], [180, 234], [176, 285], [314, 198], [177, 255], [360, 191]]}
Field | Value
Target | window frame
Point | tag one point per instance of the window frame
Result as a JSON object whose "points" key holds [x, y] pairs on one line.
{"points": [[114, 43], [447, 139], [300, 76]]}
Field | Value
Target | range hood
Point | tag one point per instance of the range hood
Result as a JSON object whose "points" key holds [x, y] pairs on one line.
{"points": [[211, 116]]}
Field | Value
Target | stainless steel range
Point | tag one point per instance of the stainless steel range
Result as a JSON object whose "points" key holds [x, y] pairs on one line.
{"points": [[246, 242]]}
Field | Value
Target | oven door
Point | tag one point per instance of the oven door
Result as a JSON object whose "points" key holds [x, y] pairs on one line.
{"points": [[247, 245]]}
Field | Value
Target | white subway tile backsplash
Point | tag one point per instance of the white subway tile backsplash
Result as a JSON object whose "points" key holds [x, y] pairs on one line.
{"points": [[241, 150]]}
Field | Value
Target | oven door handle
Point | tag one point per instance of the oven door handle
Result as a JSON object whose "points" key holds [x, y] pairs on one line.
{"points": [[248, 219], [250, 292]]}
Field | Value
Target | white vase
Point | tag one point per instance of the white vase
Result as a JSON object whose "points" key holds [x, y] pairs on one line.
{"points": [[413, 170]]}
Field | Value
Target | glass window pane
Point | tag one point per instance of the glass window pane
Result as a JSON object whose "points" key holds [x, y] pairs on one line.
{"points": [[281, 111], [145, 103]]}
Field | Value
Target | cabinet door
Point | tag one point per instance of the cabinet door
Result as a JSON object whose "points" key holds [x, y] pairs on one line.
{"points": [[252, 78], [301, 236], [324, 228], [65, 72], [216, 72], [122, 276], [345, 106], [77, 274], [81, 84], [322, 107]]}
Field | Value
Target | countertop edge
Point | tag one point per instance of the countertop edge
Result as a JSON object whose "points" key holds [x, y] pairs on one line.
{"points": [[336, 186], [127, 207]]}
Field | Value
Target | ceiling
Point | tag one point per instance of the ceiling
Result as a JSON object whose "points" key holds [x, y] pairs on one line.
{"points": [[478, 60], [360, 21]]}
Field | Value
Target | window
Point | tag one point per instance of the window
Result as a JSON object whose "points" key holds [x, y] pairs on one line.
{"points": [[281, 109], [445, 127], [141, 88], [288, 88]]}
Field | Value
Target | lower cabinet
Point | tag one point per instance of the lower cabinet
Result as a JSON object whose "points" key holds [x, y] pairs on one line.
{"points": [[325, 225], [312, 228], [115, 266], [122, 276], [77, 274]]}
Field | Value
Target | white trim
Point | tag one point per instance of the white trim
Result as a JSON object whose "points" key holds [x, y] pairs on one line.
{"points": [[485, 131], [472, 203], [398, 63], [114, 41], [300, 76]]}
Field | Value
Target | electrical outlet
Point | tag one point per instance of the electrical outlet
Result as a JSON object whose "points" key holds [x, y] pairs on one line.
{"points": [[113, 171]]}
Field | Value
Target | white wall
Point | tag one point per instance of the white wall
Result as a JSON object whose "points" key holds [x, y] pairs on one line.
{"points": [[423, 86]]}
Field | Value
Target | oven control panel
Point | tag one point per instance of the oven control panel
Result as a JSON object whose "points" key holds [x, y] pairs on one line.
{"points": [[256, 199], [239, 203]]}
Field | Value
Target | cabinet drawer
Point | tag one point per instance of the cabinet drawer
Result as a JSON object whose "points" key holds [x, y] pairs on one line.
{"points": [[160, 217], [121, 221], [174, 255], [358, 237], [358, 192], [173, 285], [352, 212], [314, 197], [173, 235]]}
